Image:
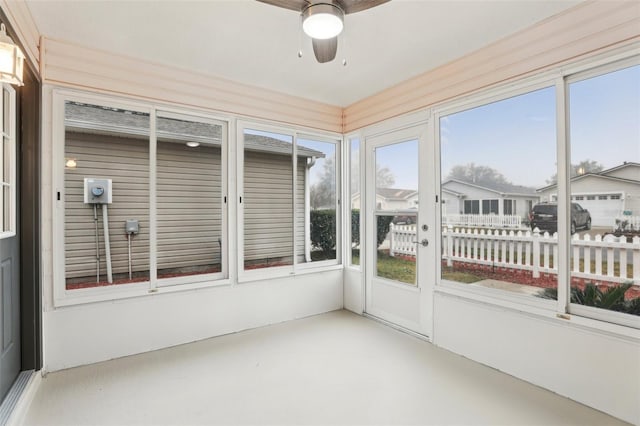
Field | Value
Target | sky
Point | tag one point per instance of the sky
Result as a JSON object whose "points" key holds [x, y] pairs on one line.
{"points": [[517, 136]]}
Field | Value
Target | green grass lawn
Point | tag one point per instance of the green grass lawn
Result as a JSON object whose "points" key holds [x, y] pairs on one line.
{"points": [[404, 270], [397, 269]]}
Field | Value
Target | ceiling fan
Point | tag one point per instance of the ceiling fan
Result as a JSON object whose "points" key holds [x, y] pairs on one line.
{"points": [[323, 20]]}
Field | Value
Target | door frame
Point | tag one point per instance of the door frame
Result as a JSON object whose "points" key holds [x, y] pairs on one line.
{"points": [[416, 126], [28, 201]]}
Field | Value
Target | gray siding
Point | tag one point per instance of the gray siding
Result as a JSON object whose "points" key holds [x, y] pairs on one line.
{"points": [[268, 208], [189, 192], [189, 195], [126, 161]]}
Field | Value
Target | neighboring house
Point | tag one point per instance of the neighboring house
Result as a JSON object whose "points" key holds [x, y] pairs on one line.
{"points": [[606, 194], [114, 144], [461, 197], [391, 199]]}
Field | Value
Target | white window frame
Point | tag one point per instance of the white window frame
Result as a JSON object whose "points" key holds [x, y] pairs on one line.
{"points": [[580, 75], [615, 323], [63, 297], [337, 143], [480, 99], [224, 273], [348, 153], [250, 275], [9, 144]]}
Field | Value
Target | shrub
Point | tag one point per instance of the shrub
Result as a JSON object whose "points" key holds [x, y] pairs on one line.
{"points": [[612, 298], [355, 227], [383, 228], [323, 229]]}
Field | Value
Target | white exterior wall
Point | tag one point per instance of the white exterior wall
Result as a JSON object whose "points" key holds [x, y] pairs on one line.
{"points": [[593, 185], [452, 204], [96, 332], [549, 352], [631, 171], [474, 193]]}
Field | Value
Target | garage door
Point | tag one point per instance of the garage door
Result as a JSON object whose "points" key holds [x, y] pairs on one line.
{"points": [[604, 208]]}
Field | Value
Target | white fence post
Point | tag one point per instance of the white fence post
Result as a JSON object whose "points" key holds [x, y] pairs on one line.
{"points": [[391, 245], [449, 245], [636, 258], [535, 241]]}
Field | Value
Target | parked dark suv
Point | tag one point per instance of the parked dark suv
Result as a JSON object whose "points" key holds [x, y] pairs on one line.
{"points": [[544, 216]]}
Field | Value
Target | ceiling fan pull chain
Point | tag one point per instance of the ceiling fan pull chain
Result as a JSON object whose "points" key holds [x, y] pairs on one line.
{"points": [[344, 49]]}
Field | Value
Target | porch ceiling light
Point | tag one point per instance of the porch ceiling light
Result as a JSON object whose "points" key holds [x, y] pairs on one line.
{"points": [[193, 144], [11, 59], [322, 20]]}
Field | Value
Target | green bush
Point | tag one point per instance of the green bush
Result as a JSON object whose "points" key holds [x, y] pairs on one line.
{"points": [[612, 298], [323, 229], [383, 228], [355, 227]]}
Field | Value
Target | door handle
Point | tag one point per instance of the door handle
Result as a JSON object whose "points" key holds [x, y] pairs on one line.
{"points": [[423, 243]]}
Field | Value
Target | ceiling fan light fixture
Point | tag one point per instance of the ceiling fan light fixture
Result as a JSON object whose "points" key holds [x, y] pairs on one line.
{"points": [[322, 21]]}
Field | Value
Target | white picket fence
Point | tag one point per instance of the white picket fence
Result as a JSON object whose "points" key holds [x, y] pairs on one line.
{"points": [[402, 240], [531, 251], [482, 220]]}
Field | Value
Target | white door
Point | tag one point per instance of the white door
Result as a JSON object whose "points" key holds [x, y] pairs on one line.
{"points": [[399, 229]]}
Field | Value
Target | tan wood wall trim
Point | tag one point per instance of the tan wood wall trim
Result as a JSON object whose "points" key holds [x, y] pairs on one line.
{"points": [[72, 65], [22, 22], [586, 29]]}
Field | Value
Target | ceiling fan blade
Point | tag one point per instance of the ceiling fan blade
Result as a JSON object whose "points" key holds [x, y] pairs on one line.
{"points": [[296, 5], [325, 50], [353, 6]]}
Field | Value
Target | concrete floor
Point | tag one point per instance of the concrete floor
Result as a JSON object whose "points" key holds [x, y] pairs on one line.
{"points": [[336, 368]]}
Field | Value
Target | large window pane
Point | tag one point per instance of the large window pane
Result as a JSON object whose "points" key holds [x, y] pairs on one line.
{"points": [[496, 161], [189, 196], [318, 188], [396, 191], [106, 150], [268, 200], [605, 190], [355, 197]]}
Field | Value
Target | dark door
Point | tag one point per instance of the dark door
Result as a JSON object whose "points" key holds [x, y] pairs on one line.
{"points": [[10, 358]]}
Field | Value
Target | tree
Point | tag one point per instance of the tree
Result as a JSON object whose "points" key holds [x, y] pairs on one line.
{"points": [[384, 176], [323, 192], [480, 175], [583, 167]]}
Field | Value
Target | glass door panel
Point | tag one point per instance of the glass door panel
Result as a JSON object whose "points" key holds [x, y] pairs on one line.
{"points": [[395, 229]]}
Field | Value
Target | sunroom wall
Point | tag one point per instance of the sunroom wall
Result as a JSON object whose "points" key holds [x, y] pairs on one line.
{"points": [[90, 332], [94, 332]]}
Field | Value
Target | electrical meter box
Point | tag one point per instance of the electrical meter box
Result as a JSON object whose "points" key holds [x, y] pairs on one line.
{"points": [[97, 191], [131, 226]]}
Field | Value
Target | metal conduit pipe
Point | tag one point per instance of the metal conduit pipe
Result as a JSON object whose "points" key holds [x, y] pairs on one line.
{"points": [[107, 245], [95, 220]]}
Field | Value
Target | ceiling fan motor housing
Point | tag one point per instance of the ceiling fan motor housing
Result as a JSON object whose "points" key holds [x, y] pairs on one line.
{"points": [[322, 20]]}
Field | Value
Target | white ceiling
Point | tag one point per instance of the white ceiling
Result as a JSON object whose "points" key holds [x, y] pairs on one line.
{"points": [[254, 43]]}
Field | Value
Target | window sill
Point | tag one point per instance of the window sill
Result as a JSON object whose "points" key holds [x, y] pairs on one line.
{"points": [[111, 294], [7, 234], [256, 276]]}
